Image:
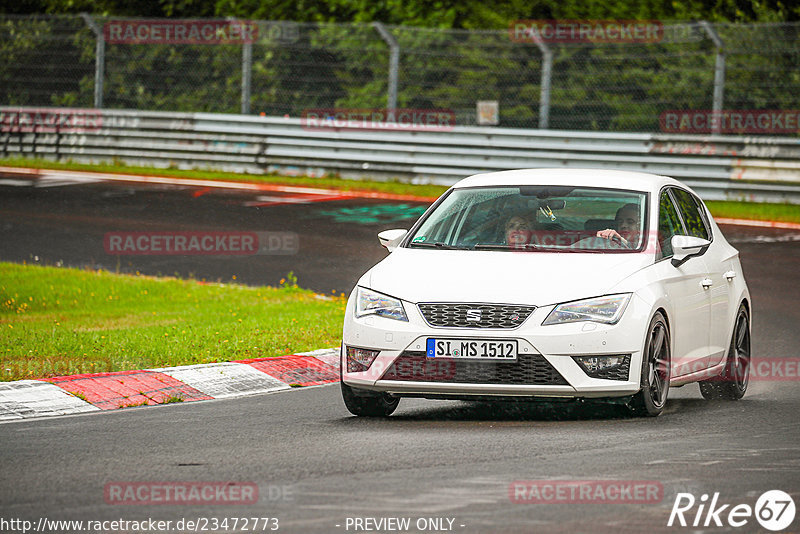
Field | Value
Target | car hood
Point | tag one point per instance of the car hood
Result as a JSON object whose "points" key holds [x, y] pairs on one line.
{"points": [[539, 278]]}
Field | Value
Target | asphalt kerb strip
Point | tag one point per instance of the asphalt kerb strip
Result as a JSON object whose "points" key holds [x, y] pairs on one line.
{"points": [[94, 176], [64, 395]]}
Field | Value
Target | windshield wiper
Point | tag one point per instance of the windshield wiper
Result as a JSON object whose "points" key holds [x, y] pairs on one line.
{"points": [[438, 244], [494, 246]]}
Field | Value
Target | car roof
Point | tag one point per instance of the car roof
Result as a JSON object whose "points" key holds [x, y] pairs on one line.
{"points": [[635, 181]]}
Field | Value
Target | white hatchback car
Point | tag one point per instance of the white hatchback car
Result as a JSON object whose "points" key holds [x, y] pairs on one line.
{"points": [[551, 283]]}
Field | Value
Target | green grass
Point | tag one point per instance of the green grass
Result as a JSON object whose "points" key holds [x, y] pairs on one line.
{"points": [[731, 209], [394, 187], [59, 321]]}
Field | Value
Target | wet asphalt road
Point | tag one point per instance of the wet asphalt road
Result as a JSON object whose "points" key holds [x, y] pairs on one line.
{"points": [[316, 466]]}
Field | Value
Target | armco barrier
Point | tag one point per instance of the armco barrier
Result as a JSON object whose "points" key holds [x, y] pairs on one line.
{"points": [[756, 168]]}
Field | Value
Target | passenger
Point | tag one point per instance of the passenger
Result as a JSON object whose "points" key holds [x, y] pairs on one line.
{"points": [[627, 227], [518, 230]]}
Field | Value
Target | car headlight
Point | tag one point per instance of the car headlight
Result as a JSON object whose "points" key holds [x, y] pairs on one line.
{"points": [[608, 309], [370, 302]]}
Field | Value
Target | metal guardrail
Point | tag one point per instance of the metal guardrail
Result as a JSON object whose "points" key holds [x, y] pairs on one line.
{"points": [[718, 167]]}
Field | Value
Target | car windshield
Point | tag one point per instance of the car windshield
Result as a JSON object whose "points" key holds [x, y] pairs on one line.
{"points": [[535, 218]]}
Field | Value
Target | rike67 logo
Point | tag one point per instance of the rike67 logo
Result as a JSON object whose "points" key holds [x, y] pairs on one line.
{"points": [[774, 510]]}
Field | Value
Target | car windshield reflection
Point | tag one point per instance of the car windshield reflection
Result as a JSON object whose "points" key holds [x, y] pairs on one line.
{"points": [[536, 218]]}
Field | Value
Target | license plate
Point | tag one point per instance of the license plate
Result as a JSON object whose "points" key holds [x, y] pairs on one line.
{"points": [[472, 349]]}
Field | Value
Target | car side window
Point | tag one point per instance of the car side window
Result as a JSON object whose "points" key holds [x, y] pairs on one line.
{"points": [[690, 212], [668, 224]]}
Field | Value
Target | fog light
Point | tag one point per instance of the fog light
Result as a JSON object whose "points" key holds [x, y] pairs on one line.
{"points": [[596, 364], [359, 360]]}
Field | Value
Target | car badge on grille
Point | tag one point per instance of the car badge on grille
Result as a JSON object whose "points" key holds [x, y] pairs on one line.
{"points": [[474, 316], [514, 317]]}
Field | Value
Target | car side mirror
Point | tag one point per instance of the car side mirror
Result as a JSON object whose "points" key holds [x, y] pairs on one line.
{"points": [[685, 247], [391, 238]]}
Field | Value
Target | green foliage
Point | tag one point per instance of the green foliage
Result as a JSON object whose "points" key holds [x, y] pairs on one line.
{"points": [[173, 77], [31, 73], [602, 87], [467, 14]]}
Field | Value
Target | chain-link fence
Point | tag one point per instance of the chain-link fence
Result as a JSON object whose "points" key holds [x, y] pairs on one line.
{"points": [[284, 68]]}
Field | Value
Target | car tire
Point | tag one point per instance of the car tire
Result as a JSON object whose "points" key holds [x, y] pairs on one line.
{"points": [[655, 374], [732, 383], [367, 403]]}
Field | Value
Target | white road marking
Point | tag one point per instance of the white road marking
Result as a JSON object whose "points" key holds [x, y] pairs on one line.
{"points": [[224, 380], [16, 183], [32, 398], [760, 224], [766, 239], [261, 199], [329, 356], [58, 180]]}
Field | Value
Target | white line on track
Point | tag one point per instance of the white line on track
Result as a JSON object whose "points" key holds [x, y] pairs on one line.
{"points": [[224, 380], [766, 239], [16, 183], [760, 224], [32, 398]]}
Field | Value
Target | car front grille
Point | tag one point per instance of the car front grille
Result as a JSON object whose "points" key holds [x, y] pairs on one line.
{"points": [[528, 369], [465, 315]]}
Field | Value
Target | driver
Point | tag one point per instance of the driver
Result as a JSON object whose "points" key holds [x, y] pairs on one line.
{"points": [[518, 230], [627, 227]]}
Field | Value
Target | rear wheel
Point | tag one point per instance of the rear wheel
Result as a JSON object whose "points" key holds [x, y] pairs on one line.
{"points": [[731, 384], [655, 373], [368, 403]]}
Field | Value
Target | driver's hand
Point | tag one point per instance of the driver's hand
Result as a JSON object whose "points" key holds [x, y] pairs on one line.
{"points": [[612, 235]]}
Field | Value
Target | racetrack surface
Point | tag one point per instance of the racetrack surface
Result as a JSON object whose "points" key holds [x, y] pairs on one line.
{"points": [[48, 223], [432, 459], [315, 465]]}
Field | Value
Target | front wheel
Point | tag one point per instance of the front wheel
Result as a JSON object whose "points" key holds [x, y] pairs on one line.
{"points": [[731, 384], [655, 375], [368, 404]]}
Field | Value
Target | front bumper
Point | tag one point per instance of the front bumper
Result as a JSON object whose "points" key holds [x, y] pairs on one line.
{"points": [[544, 368]]}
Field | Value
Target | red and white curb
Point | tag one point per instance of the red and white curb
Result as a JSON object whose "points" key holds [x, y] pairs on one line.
{"points": [[66, 395]]}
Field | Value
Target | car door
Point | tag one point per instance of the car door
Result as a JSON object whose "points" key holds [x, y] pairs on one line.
{"points": [[691, 316], [696, 221]]}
